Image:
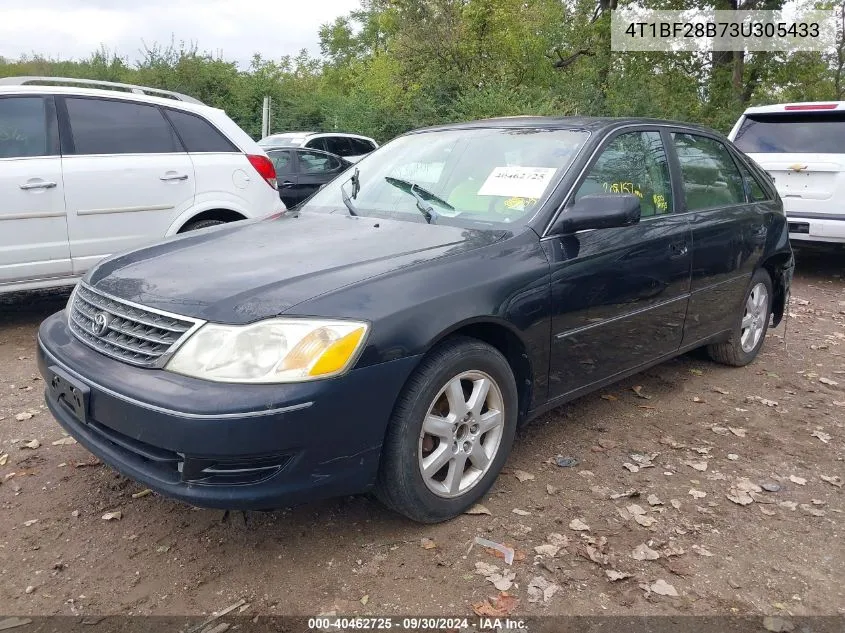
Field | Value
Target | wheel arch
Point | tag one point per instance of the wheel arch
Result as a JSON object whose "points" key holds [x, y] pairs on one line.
{"points": [[225, 215], [777, 265]]}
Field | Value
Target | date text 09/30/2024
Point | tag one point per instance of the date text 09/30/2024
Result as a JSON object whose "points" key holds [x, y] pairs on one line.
{"points": [[335, 623]]}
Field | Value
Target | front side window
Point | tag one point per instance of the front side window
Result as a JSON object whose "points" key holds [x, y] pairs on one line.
{"points": [[106, 126], [466, 176], [24, 128], [316, 163], [633, 163], [710, 176]]}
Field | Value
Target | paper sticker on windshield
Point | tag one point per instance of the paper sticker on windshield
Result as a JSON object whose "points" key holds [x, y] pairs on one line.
{"points": [[519, 182]]}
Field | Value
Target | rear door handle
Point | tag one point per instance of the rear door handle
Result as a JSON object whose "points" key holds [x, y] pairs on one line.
{"points": [[174, 177], [678, 249], [38, 185], [287, 184]]}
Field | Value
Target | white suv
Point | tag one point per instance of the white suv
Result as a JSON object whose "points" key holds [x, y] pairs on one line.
{"points": [[802, 146], [85, 173], [352, 147]]}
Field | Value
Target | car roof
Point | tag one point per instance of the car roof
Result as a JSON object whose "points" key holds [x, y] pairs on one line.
{"points": [[288, 148], [589, 124], [108, 94], [800, 107]]}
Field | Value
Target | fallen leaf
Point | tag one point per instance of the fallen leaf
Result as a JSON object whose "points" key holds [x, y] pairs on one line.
{"points": [[824, 437], [724, 392], [586, 474], [4, 458], [541, 589], [771, 486], [485, 569], [635, 509], [654, 500], [720, 430], [365, 599], [645, 521], [112, 516], [523, 475], [142, 493], [739, 497], [737, 431], [766, 511], [546, 549], [732, 456], [23, 415], [478, 509], [697, 494], [798, 480], [699, 466], [558, 539], [777, 624], [644, 461], [550, 489], [746, 485], [614, 575], [698, 400], [91, 462], [644, 552], [504, 581], [668, 440], [791, 505], [503, 605], [811, 510], [768, 403], [565, 462], [609, 396], [427, 543], [631, 467], [522, 513], [578, 525], [30, 522], [701, 551], [835, 480], [696, 372], [631, 492], [626, 516], [675, 504], [32, 444], [638, 389], [663, 588], [828, 381]]}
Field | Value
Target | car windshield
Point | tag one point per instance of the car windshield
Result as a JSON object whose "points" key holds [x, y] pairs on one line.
{"points": [[489, 176]]}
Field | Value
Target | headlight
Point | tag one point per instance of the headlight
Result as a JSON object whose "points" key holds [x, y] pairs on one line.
{"points": [[272, 351]]}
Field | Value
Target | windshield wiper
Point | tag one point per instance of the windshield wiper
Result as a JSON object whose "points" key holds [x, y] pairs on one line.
{"points": [[423, 205], [347, 200]]}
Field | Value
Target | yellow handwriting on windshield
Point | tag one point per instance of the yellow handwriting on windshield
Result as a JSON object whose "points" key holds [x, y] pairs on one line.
{"points": [[622, 187]]}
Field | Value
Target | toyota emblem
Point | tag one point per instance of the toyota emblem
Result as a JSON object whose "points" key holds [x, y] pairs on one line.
{"points": [[100, 323]]}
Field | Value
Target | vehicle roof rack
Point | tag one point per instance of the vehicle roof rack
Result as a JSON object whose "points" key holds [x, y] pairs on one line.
{"points": [[22, 81]]}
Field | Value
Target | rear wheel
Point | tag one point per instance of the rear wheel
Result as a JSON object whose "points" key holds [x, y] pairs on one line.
{"points": [[450, 433], [751, 325]]}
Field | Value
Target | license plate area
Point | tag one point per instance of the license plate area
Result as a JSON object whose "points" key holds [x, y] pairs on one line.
{"points": [[69, 393]]}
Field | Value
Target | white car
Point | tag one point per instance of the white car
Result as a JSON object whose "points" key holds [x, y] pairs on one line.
{"points": [[802, 147], [86, 172], [352, 147]]}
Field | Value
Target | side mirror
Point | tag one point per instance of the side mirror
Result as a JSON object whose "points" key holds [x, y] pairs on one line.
{"points": [[599, 211]]}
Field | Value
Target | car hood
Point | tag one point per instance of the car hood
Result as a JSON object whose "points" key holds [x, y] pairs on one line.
{"points": [[252, 270]]}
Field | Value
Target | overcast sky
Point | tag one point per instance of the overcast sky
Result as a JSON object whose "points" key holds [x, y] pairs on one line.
{"points": [[69, 29]]}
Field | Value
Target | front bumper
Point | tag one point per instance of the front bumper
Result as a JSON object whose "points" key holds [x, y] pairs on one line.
{"points": [[224, 445]]}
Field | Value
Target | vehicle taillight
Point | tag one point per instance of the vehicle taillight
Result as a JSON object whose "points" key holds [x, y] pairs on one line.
{"points": [[811, 106], [264, 167]]}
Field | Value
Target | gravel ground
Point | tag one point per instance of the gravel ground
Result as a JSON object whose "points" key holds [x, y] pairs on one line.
{"points": [[735, 507]]}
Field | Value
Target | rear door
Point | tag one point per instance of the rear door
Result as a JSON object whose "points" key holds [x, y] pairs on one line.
{"points": [[285, 175], [314, 169], [728, 232], [33, 230], [127, 176], [620, 295], [803, 149]]}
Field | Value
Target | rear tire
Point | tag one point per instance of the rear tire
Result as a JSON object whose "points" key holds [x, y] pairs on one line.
{"points": [[450, 433], [751, 326], [201, 224]]}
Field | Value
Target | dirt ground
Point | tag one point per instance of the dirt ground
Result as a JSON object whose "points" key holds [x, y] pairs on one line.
{"points": [[712, 433]]}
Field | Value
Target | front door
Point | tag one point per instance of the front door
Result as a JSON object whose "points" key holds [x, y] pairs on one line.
{"points": [[33, 229], [314, 169], [619, 295], [127, 177]]}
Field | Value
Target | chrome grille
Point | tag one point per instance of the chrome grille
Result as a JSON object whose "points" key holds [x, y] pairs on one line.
{"points": [[126, 331]]}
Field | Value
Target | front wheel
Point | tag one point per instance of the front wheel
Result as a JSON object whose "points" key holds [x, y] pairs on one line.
{"points": [[451, 432], [751, 325]]}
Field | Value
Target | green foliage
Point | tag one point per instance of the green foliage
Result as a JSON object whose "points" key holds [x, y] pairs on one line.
{"points": [[394, 65]]}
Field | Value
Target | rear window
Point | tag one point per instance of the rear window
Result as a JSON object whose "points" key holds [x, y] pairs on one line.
{"points": [[809, 133]]}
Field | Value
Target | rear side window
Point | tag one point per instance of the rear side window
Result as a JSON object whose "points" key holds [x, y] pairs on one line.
{"points": [[25, 128], [360, 146], [633, 163], [711, 178], [339, 145], [316, 163], [197, 134], [753, 189], [811, 132], [104, 126]]}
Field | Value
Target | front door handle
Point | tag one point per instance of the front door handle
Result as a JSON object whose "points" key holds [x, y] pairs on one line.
{"points": [[174, 177], [287, 184], [44, 184]]}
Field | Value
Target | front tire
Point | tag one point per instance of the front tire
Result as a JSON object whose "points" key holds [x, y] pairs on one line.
{"points": [[450, 433], [749, 333]]}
